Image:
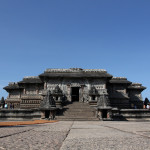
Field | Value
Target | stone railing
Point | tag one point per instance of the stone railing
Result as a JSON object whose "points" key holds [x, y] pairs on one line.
{"points": [[31, 96], [136, 84], [75, 70], [120, 78], [31, 77], [13, 100]]}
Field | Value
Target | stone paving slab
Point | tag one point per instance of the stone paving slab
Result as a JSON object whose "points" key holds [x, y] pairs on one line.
{"points": [[33, 140], [130, 126], [77, 135], [57, 126], [40, 137], [107, 143], [107, 136], [7, 131]]}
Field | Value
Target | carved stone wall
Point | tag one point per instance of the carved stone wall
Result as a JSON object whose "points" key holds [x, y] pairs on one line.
{"points": [[119, 88], [31, 89], [84, 85], [135, 95], [14, 94], [28, 92]]}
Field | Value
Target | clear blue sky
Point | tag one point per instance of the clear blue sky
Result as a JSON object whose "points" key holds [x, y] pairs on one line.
{"points": [[105, 34]]}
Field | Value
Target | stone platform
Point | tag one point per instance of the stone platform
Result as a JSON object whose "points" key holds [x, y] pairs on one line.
{"points": [[19, 114], [77, 135], [76, 112]]}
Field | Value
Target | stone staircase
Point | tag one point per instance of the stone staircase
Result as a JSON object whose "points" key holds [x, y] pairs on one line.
{"points": [[77, 111]]}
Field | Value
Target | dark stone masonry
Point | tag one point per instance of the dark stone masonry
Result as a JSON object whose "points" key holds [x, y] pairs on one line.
{"points": [[72, 93]]}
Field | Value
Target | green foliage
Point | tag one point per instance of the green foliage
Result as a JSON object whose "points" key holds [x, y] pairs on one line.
{"points": [[2, 100]]}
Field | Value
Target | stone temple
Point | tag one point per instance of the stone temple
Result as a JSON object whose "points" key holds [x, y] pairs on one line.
{"points": [[88, 90]]}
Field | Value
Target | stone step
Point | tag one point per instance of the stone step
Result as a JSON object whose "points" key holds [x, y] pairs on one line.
{"points": [[76, 115], [76, 106], [77, 119], [81, 109], [78, 111], [78, 103], [86, 104], [73, 117], [72, 106]]}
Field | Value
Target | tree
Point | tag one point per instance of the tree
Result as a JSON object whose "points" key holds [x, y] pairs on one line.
{"points": [[146, 102], [2, 102]]}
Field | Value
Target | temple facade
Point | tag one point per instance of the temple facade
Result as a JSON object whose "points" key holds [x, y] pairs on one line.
{"points": [[75, 85]]}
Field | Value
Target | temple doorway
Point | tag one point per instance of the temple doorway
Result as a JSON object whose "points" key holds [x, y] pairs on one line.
{"points": [[47, 113], [104, 114], [75, 94]]}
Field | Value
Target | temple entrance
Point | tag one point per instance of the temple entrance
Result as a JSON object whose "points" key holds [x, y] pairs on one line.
{"points": [[104, 114], [75, 94], [47, 113]]}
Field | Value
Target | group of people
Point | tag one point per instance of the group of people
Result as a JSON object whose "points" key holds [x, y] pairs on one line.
{"points": [[6, 106], [3, 104], [11, 106], [146, 104]]}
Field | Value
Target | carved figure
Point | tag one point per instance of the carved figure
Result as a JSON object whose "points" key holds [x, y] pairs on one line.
{"points": [[57, 90], [48, 101], [103, 101], [93, 91]]}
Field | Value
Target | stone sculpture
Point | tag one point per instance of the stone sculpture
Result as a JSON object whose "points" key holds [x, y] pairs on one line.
{"points": [[48, 101], [103, 101], [48, 107]]}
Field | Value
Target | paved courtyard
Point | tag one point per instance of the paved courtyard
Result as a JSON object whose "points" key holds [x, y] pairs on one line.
{"points": [[77, 135]]}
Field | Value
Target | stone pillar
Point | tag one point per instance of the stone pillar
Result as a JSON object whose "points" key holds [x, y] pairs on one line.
{"points": [[105, 86], [24, 91], [81, 93], [45, 85], [99, 115], [109, 114], [19, 93], [37, 89], [52, 114], [69, 92], [42, 114]]}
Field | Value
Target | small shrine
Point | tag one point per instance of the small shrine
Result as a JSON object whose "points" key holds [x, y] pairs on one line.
{"points": [[103, 107], [57, 95], [48, 107]]}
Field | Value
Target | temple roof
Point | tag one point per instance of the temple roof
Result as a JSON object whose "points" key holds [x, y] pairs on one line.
{"points": [[75, 72], [12, 85], [119, 95], [136, 86], [31, 79], [119, 80]]}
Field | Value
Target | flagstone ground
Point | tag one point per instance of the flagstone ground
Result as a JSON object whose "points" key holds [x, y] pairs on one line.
{"points": [[77, 135]]}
